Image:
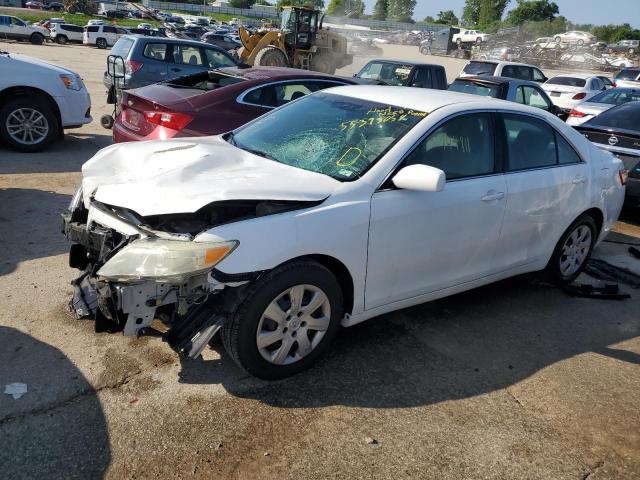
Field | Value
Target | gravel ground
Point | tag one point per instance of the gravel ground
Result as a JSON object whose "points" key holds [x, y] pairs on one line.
{"points": [[514, 380]]}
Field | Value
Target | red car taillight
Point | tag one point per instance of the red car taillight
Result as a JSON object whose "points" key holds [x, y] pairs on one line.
{"points": [[172, 120], [613, 84], [579, 96], [624, 176], [132, 66], [576, 113]]}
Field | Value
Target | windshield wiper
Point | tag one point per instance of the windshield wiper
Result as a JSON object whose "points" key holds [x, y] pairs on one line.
{"points": [[229, 138], [258, 153]]}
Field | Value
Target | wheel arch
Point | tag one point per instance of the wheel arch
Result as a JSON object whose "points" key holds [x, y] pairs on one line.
{"points": [[597, 216], [26, 91], [341, 272]]}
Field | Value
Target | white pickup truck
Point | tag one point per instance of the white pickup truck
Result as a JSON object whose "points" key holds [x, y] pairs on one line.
{"points": [[468, 36], [38, 101]]}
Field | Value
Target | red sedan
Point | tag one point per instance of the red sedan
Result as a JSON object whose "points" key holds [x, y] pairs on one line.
{"points": [[213, 102]]}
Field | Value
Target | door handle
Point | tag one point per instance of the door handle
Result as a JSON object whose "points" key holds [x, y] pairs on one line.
{"points": [[491, 197], [579, 179]]}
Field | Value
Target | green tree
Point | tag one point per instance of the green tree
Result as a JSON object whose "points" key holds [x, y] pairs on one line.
{"points": [[319, 4], [241, 3], [401, 10], [482, 13], [533, 11], [381, 10], [447, 17], [346, 8]]}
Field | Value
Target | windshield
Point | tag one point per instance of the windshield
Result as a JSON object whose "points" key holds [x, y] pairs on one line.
{"points": [[342, 139], [568, 81], [480, 68], [628, 75], [485, 90], [389, 73], [616, 97]]}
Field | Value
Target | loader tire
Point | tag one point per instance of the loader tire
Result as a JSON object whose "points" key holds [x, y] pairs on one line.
{"points": [[271, 57], [323, 63]]}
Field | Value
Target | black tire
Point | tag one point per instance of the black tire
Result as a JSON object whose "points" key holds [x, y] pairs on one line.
{"points": [[37, 104], [61, 39], [36, 38], [101, 43], [240, 330], [323, 63], [423, 50], [271, 57], [553, 271]]}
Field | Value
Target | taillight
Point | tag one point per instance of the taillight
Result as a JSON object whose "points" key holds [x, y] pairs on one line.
{"points": [[132, 66], [174, 121], [623, 173], [613, 84], [576, 113], [579, 96]]}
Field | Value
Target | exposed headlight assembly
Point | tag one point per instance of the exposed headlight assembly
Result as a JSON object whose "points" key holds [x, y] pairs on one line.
{"points": [[164, 260], [72, 82]]}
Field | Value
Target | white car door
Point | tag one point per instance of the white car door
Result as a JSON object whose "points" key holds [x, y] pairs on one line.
{"points": [[547, 188], [19, 28], [421, 242]]}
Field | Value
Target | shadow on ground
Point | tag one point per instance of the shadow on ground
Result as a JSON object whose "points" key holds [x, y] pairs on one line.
{"points": [[65, 155], [462, 346], [22, 237], [48, 430]]}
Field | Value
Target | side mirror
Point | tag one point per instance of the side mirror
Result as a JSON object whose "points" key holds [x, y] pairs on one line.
{"points": [[354, 75], [422, 178]]}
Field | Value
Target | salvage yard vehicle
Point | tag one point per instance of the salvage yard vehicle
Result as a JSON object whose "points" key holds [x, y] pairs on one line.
{"points": [[14, 28], [102, 36], [469, 36], [567, 91], [212, 102], [405, 73], [63, 33], [37, 101], [575, 37], [618, 131], [268, 232], [625, 46], [150, 60], [602, 102], [511, 89], [628, 77], [503, 69]]}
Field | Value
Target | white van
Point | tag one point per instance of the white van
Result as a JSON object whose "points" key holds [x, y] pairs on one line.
{"points": [[102, 36]]}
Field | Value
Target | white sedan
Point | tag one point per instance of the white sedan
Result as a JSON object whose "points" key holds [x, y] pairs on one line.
{"points": [[575, 37], [282, 230], [567, 91]]}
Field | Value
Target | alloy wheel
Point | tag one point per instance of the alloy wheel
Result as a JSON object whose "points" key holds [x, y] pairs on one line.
{"points": [[27, 126], [293, 324], [575, 250]]}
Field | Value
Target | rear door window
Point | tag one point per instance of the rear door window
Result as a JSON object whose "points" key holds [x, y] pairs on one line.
{"points": [[566, 154], [92, 29], [480, 68], [108, 29], [155, 51], [530, 143], [188, 55]]}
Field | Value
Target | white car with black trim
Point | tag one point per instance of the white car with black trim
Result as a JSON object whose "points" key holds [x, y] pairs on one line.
{"points": [[283, 229], [37, 101]]}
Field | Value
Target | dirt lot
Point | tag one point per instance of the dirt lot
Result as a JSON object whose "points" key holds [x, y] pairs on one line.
{"points": [[514, 380]]}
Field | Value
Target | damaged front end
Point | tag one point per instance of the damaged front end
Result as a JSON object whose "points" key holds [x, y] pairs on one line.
{"points": [[140, 270]]}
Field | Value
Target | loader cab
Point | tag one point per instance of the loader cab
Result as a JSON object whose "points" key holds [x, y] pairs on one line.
{"points": [[300, 26]]}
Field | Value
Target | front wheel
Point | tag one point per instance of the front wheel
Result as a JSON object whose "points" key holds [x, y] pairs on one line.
{"points": [[27, 124], [572, 251], [286, 321]]}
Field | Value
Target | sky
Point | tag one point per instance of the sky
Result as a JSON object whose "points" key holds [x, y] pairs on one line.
{"points": [[577, 11]]}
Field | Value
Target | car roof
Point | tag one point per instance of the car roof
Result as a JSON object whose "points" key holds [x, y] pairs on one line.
{"points": [[274, 73], [498, 80], [422, 99], [404, 62], [178, 41]]}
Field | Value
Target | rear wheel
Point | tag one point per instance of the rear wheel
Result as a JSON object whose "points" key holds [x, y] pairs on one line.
{"points": [[286, 322], [28, 124], [572, 251], [36, 38], [271, 57], [323, 63], [101, 43], [61, 39], [580, 42]]}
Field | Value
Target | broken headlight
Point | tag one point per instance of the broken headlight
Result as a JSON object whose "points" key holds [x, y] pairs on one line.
{"points": [[164, 260]]}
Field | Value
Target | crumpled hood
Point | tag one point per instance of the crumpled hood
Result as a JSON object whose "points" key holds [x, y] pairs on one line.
{"points": [[182, 176]]}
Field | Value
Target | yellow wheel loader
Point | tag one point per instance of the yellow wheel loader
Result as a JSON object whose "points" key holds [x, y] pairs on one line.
{"points": [[301, 42]]}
